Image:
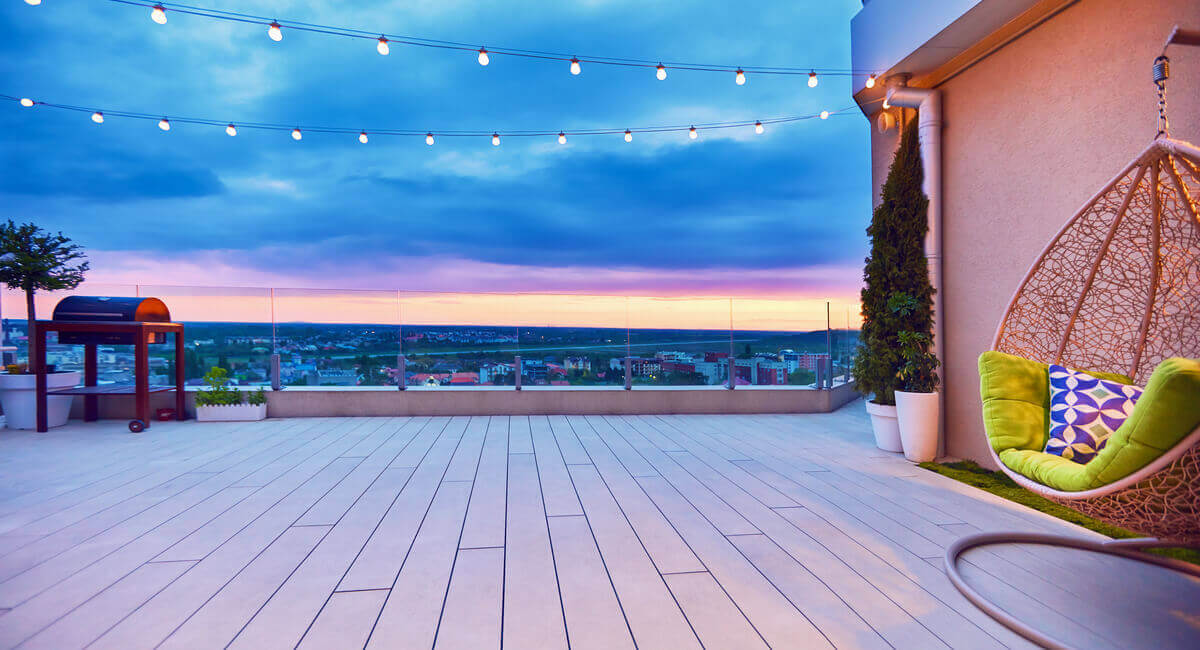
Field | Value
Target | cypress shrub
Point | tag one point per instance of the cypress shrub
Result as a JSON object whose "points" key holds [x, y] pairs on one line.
{"points": [[896, 269]]}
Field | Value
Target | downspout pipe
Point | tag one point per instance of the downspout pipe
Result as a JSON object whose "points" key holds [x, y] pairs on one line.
{"points": [[928, 103]]}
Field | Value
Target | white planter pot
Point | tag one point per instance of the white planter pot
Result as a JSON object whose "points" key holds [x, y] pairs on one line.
{"points": [[918, 414], [231, 413], [18, 396], [885, 426]]}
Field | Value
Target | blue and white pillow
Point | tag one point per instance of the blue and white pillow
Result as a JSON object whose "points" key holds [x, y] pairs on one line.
{"points": [[1084, 412]]}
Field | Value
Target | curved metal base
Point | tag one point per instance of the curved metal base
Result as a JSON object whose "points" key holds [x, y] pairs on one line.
{"points": [[1126, 548]]}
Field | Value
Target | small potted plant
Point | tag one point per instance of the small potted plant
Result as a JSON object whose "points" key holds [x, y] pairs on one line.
{"points": [[220, 402], [33, 259], [918, 401]]}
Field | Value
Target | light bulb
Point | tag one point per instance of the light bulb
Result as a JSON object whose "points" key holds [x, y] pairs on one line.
{"points": [[660, 72], [275, 32], [382, 47], [33, 3], [495, 139], [886, 105], [164, 124], [159, 14], [231, 130], [739, 77], [824, 115], [362, 137], [296, 135], [26, 102], [628, 135], [483, 56], [98, 117], [812, 80], [429, 139], [575, 69], [758, 128], [871, 81], [692, 133], [562, 137]]}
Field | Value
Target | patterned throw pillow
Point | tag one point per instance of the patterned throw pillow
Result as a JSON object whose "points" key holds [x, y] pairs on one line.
{"points": [[1084, 412]]}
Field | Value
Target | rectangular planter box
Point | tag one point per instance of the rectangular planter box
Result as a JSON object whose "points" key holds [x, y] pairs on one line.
{"points": [[231, 413]]}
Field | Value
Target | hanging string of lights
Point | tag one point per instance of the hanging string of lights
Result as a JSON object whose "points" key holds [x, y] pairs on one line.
{"points": [[98, 115], [383, 42]]}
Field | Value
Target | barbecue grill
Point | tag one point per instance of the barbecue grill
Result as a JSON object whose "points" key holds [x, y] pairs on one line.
{"points": [[100, 320]]}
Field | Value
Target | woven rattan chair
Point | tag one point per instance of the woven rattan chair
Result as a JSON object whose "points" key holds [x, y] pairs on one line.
{"points": [[1117, 291]]}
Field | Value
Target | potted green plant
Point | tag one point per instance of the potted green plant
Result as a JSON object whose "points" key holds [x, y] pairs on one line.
{"points": [[220, 402], [33, 259], [917, 400], [895, 265]]}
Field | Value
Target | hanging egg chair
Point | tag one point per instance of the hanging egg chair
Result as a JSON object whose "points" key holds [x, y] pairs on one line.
{"points": [[1115, 294]]}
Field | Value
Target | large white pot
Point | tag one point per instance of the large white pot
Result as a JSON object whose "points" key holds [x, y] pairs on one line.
{"points": [[18, 396], [918, 414], [885, 426], [232, 413]]}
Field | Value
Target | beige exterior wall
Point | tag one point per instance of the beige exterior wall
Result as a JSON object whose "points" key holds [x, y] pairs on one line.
{"points": [[1031, 133]]}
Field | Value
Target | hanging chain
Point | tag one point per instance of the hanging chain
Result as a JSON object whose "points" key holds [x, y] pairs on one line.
{"points": [[1162, 71]]}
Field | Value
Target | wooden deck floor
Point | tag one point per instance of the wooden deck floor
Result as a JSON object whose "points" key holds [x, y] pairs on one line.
{"points": [[468, 532]]}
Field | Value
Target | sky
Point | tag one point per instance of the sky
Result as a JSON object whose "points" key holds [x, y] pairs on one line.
{"points": [[730, 214]]}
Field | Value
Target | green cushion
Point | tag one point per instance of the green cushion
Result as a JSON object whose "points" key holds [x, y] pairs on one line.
{"points": [[1016, 401]]}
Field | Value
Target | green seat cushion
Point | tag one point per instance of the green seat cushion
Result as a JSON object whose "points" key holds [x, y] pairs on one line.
{"points": [[1016, 402]]}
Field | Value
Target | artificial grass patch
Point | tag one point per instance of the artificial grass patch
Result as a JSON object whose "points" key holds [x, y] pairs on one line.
{"points": [[1001, 485]]}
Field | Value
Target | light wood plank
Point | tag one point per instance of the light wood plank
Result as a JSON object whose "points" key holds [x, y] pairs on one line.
{"points": [[485, 518], [471, 619], [345, 621], [532, 610], [716, 619], [593, 613]]}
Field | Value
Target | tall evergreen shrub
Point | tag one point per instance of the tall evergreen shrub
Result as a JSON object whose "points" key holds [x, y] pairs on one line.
{"points": [[896, 264]]}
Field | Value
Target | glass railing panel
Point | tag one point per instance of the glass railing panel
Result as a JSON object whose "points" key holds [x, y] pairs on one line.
{"points": [[337, 337], [790, 341], [572, 339], [458, 339], [14, 340], [680, 341]]}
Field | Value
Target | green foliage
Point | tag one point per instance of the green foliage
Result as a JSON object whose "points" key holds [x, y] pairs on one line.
{"points": [[896, 264], [257, 398], [219, 393], [918, 374], [42, 261], [801, 377], [1001, 485]]}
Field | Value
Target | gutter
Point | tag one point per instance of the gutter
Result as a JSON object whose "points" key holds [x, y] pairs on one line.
{"points": [[928, 102]]}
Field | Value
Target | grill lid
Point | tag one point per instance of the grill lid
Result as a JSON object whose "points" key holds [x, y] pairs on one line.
{"points": [[111, 309]]}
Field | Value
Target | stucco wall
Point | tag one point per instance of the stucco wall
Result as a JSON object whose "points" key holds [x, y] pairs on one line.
{"points": [[1031, 133]]}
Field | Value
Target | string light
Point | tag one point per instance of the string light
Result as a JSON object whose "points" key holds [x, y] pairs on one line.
{"points": [[739, 77], [382, 47], [33, 3], [484, 59], [275, 32], [575, 69], [812, 80], [886, 105], [231, 129], [660, 71], [98, 117], [159, 14], [296, 135], [871, 81], [495, 139], [692, 133], [362, 137]]}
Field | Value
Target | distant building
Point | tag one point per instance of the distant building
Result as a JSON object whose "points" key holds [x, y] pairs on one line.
{"points": [[464, 379], [803, 360], [334, 378], [578, 363]]}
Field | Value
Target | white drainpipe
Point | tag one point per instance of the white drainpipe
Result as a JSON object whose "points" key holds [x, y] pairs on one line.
{"points": [[929, 104]]}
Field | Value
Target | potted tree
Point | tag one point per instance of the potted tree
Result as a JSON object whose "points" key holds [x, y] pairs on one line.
{"points": [[896, 265], [33, 259], [223, 403], [917, 402]]}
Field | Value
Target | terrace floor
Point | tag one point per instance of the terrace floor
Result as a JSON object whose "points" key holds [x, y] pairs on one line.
{"points": [[535, 532]]}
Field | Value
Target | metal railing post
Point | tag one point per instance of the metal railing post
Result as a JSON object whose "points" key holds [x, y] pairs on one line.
{"points": [[402, 369], [628, 372], [276, 379], [732, 371], [517, 372]]}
